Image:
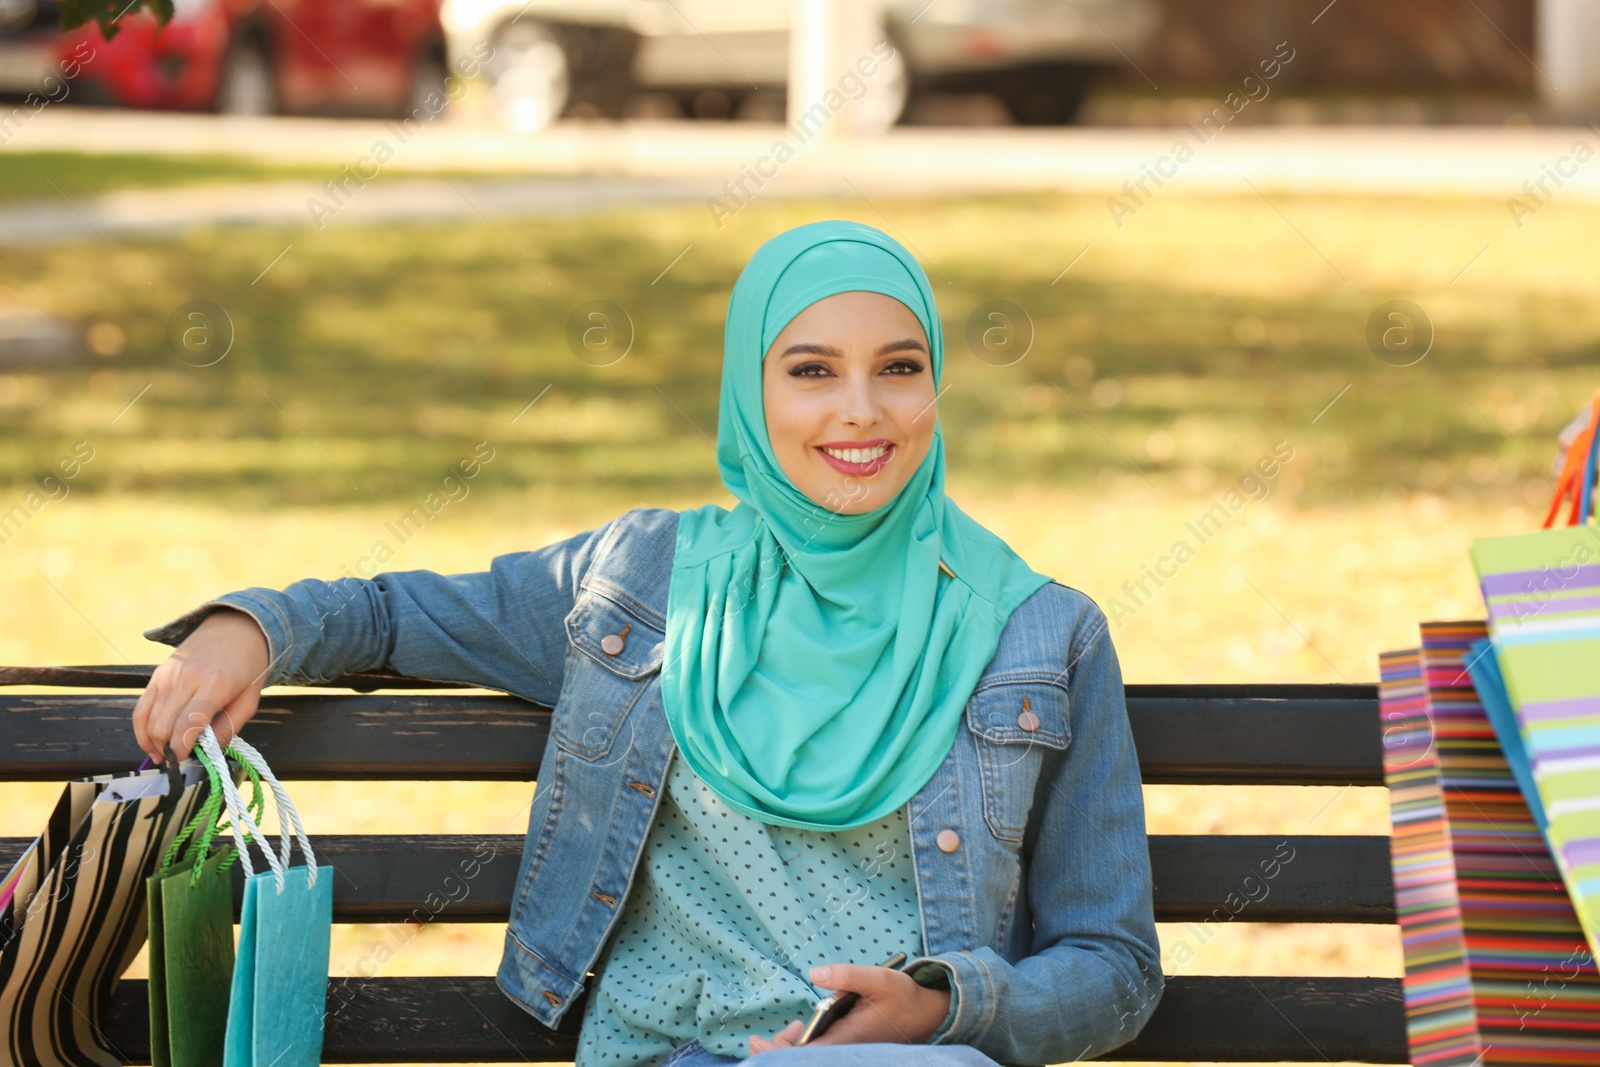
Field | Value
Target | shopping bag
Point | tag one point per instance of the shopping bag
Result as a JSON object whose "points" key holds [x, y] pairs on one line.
{"points": [[1542, 591], [8, 884], [191, 963], [280, 972], [75, 917], [1496, 965], [191, 936], [1491, 688]]}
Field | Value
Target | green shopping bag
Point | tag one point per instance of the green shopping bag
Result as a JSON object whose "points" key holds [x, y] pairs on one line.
{"points": [[1543, 595], [191, 963], [280, 977], [191, 937]]}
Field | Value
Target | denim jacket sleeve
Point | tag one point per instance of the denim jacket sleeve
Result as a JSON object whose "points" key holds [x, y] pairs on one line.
{"points": [[499, 629], [1093, 977], [936, 975]]}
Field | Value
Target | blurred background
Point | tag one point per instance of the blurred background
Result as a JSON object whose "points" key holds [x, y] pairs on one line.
{"points": [[1321, 271]]}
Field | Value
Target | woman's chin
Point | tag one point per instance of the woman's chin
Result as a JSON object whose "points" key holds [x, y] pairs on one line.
{"points": [[851, 497]]}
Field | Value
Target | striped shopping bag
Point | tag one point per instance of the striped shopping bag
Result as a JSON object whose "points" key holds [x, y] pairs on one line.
{"points": [[73, 916], [1542, 591], [1496, 966]]}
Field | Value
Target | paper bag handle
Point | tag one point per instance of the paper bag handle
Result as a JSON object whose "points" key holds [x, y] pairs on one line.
{"points": [[287, 814], [239, 818], [1577, 473]]}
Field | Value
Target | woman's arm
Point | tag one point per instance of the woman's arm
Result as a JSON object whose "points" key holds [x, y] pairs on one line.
{"points": [[500, 629], [1094, 976]]}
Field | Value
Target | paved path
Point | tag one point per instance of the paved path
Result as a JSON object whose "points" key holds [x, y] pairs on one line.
{"points": [[387, 199], [580, 166]]}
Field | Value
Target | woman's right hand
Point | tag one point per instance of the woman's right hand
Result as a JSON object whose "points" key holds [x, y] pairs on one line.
{"points": [[215, 676]]}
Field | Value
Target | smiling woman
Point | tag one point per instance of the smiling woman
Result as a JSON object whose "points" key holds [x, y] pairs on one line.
{"points": [[828, 726]]}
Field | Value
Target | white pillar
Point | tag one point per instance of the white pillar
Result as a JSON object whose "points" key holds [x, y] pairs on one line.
{"points": [[826, 40], [811, 48], [1568, 37]]}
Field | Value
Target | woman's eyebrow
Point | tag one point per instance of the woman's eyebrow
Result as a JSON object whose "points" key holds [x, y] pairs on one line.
{"points": [[810, 348], [813, 348]]}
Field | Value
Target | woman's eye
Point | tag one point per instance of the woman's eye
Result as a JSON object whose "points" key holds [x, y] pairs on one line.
{"points": [[810, 370], [904, 366]]}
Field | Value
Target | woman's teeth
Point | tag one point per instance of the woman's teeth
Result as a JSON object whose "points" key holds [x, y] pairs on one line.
{"points": [[857, 455]]}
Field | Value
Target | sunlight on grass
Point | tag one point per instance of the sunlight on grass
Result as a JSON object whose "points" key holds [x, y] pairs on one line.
{"points": [[1185, 345]]}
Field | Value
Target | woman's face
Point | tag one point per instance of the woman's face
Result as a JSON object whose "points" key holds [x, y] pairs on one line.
{"points": [[849, 398]]}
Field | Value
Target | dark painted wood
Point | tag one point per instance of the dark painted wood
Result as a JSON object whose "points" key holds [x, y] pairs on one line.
{"points": [[333, 737], [1209, 879], [1204, 879], [1250, 1020], [466, 1020], [1261, 735], [1258, 735], [137, 676]]}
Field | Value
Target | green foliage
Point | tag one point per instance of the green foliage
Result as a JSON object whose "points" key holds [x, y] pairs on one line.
{"points": [[108, 13]]}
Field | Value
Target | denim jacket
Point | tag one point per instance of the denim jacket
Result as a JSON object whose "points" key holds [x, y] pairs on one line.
{"points": [[1039, 907]]}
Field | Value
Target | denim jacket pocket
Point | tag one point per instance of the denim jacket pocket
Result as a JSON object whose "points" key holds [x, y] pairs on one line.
{"points": [[616, 648], [1014, 719], [638, 633]]}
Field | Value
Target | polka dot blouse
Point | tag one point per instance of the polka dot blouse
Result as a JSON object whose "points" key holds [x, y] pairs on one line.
{"points": [[727, 915]]}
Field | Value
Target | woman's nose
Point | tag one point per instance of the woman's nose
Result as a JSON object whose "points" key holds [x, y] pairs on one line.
{"points": [[860, 404]]}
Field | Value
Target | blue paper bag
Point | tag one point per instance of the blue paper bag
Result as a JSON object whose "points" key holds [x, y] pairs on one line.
{"points": [[280, 975], [1491, 687], [279, 996]]}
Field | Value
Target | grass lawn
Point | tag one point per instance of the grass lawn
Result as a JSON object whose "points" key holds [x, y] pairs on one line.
{"points": [[46, 175], [1171, 358], [1178, 350]]}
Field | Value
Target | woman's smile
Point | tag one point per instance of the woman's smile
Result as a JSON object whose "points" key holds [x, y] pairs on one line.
{"points": [[860, 458]]}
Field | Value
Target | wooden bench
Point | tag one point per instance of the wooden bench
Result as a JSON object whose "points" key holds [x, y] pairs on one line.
{"points": [[1189, 734]]}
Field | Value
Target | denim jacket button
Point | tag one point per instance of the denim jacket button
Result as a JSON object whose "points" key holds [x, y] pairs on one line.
{"points": [[611, 644], [1028, 720], [948, 840]]}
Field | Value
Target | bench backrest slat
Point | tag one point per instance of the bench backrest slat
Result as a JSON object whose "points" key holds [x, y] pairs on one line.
{"points": [[1205, 879], [1184, 734]]}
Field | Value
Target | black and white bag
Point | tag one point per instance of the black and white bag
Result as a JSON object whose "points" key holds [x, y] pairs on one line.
{"points": [[73, 912]]}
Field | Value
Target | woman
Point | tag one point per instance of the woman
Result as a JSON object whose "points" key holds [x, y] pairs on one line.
{"points": [[894, 735]]}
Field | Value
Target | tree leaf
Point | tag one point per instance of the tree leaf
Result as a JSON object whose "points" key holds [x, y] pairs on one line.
{"points": [[109, 13]]}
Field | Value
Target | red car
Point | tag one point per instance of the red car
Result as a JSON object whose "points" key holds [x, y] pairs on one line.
{"points": [[258, 57]]}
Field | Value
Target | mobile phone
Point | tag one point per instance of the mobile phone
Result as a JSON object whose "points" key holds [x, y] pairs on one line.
{"points": [[833, 1007]]}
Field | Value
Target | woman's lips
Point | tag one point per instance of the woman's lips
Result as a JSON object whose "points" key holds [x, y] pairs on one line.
{"points": [[870, 467]]}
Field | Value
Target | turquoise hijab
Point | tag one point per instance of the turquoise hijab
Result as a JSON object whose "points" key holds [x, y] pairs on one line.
{"points": [[817, 664]]}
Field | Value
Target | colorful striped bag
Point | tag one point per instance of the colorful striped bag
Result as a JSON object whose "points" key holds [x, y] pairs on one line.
{"points": [[1496, 965], [1543, 596]]}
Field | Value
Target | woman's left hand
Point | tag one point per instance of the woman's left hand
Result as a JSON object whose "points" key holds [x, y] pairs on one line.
{"points": [[892, 1007]]}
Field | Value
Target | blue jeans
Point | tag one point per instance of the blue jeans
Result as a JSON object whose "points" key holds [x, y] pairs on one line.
{"points": [[867, 1054]]}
